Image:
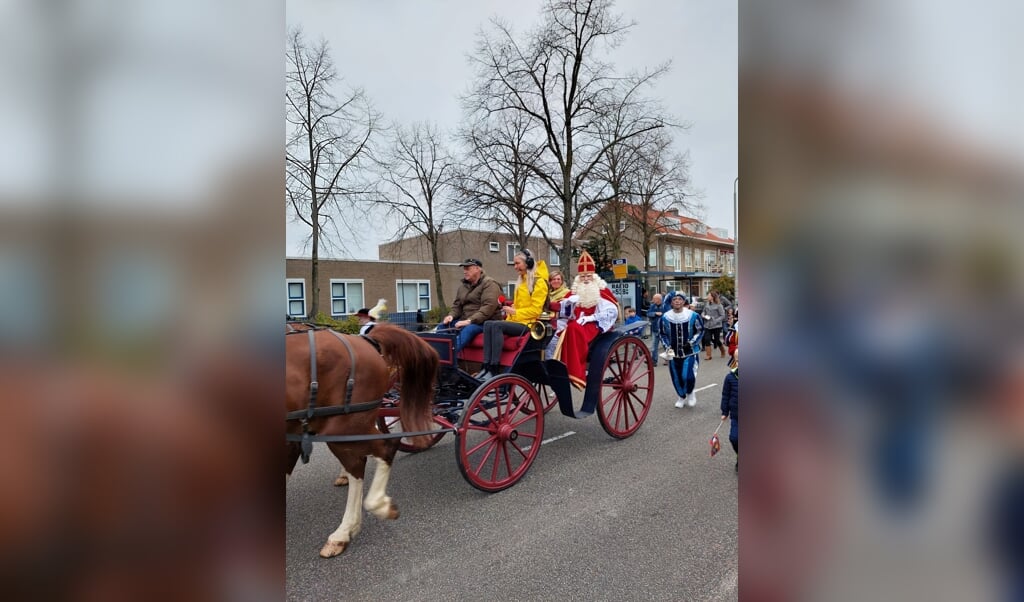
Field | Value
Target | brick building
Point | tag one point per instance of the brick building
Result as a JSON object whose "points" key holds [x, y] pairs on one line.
{"points": [[404, 274], [684, 253]]}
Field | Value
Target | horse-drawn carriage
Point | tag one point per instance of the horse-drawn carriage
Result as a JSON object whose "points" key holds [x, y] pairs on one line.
{"points": [[498, 423]]}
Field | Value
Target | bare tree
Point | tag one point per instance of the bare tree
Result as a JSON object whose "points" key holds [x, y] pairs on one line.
{"points": [[414, 175], [557, 80], [616, 174], [328, 147], [659, 181], [493, 182]]}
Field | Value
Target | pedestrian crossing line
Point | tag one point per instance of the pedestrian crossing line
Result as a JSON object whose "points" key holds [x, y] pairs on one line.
{"points": [[706, 387], [549, 440]]}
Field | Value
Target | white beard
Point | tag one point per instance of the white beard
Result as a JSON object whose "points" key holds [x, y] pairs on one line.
{"points": [[590, 293]]}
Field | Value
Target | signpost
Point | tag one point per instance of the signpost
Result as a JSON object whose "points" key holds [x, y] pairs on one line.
{"points": [[619, 268]]}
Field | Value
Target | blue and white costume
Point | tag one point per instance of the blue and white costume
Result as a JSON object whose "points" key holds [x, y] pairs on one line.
{"points": [[682, 331]]}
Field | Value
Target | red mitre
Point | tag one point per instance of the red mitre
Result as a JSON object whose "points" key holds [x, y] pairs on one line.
{"points": [[586, 264]]}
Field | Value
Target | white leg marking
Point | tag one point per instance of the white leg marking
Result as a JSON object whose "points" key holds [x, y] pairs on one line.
{"points": [[376, 501], [353, 519]]}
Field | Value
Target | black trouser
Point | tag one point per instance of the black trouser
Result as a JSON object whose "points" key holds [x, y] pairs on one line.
{"points": [[494, 331], [712, 337]]}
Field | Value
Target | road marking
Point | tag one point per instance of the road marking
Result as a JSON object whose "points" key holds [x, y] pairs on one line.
{"points": [[705, 387], [562, 436]]}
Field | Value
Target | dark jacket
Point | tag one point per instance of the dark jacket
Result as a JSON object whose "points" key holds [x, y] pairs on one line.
{"points": [[652, 310], [731, 399], [477, 303]]}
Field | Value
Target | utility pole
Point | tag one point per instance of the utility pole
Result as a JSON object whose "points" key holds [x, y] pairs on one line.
{"points": [[736, 232]]}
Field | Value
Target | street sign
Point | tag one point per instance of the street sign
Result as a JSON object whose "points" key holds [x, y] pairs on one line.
{"points": [[619, 267]]}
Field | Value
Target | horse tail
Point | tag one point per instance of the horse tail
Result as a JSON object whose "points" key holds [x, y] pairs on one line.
{"points": [[417, 364]]}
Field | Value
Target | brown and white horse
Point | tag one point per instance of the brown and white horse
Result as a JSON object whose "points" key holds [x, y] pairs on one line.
{"points": [[402, 355]]}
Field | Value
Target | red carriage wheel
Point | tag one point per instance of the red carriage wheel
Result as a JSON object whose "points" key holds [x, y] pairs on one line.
{"points": [[627, 387], [388, 421], [500, 433]]}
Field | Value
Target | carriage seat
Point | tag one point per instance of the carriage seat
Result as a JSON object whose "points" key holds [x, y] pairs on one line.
{"points": [[510, 348]]}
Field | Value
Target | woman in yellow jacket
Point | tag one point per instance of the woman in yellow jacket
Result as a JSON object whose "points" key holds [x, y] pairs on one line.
{"points": [[531, 294]]}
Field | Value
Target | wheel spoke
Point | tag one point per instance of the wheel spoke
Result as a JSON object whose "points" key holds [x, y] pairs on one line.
{"points": [[493, 457]]}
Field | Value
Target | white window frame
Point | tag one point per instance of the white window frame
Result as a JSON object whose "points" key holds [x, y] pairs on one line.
{"points": [[288, 298], [494, 246], [709, 260], [688, 258], [553, 258], [673, 258], [346, 282], [398, 295], [511, 250], [510, 290], [652, 257], [622, 225]]}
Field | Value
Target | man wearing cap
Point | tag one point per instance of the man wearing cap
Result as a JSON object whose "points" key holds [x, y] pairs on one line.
{"points": [[366, 321], [476, 301], [594, 310], [681, 330]]}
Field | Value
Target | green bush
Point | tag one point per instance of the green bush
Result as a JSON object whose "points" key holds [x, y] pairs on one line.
{"points": [[725, 285], [435, 315], [349, 325]]}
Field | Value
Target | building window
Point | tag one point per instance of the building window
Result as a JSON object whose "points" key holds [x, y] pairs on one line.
{"points": [[672, 258], [652, 257], [709, 260], [675, 285], [689, 258], [700, 228], [296, 298], [412, 295], [622, 225], [495, 246], [511, 249], [670, 222], [346, 296], [510, 290], [553, 258]]}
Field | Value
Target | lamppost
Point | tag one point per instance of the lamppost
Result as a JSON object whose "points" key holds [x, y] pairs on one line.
{"points": [[736, 233]]}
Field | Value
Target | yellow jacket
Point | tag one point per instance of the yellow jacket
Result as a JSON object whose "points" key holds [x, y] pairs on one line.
{"points": [[529, 305]]}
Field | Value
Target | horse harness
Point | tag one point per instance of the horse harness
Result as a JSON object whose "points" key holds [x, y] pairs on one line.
{"points": [[312, 412]]}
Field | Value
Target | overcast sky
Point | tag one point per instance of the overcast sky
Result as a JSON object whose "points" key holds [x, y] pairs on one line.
{"points": [[410, 58]]}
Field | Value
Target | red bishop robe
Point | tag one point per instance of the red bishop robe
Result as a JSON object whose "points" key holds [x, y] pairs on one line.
{"points": [[575, 340]]}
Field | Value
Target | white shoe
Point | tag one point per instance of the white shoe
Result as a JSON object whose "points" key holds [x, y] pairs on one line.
{"points": [[681, 402], [693, 399]]}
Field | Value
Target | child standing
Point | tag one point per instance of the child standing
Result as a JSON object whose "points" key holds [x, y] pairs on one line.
{"points": [[730, 405]]}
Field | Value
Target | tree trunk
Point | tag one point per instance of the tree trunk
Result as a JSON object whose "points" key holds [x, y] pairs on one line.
{"points": [[437, 274]]}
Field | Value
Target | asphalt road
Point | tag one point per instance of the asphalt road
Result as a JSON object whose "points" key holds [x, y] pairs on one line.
{"points": [[651, 517]]}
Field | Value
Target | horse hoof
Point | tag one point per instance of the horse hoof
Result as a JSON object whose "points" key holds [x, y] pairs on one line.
{"points": [[333, 548], [341, 481]]}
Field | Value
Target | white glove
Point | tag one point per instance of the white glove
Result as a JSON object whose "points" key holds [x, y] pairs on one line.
{"points": [[584, 319]]}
